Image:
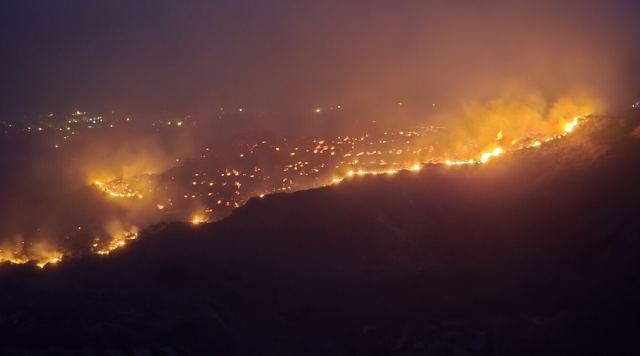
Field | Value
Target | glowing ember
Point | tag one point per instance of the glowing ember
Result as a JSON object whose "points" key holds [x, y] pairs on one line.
{"points": [[198, 219]]}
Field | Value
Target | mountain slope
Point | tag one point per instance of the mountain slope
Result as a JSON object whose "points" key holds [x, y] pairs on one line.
{"points": [[534, 253]]}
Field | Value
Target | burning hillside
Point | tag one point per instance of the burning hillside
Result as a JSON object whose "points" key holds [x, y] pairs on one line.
{"points": [[319, 177], [535, 252], [222, 178]]}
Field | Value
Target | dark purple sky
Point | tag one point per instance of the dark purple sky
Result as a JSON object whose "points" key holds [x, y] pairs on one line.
{"points": [[161, 56]]}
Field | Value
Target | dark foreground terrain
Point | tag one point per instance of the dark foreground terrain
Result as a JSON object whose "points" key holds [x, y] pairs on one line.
{"points": [[537, 253]]}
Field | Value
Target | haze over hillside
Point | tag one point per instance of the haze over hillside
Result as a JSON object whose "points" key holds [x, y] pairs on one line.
{"points": [[536, 252]]}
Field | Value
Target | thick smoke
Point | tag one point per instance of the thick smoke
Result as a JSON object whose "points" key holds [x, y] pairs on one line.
{"points": [[508, 120], [50, 205]]}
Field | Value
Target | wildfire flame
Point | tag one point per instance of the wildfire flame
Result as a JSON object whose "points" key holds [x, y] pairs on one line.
{"points": [[118, 240], [484, 157], [123, 189], [118, 188], [41, 254], [198, 219], [570, 126]]}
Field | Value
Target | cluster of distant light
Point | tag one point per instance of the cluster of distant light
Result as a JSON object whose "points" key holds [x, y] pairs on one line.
{"points": [[62, 129], [214, 189], [67, 126]]}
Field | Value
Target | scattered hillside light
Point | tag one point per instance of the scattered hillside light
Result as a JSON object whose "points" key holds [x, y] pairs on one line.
{"points": [[318, 110], [636, 105]]}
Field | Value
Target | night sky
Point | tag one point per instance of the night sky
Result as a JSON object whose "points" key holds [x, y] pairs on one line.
{"points": [[161, 56]]}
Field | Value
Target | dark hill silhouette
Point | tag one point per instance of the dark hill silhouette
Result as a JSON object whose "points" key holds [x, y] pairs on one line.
{"points": [[536, 253]]}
